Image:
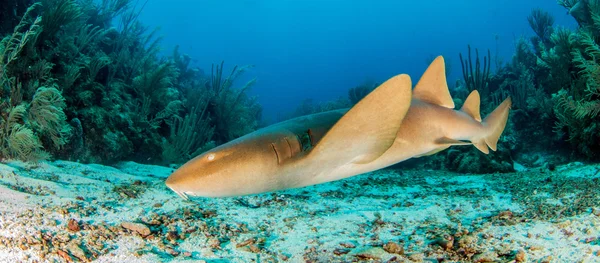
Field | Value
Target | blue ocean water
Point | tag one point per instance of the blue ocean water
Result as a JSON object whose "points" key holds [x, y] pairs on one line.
{"points": [[320, 49], [114, 149]]}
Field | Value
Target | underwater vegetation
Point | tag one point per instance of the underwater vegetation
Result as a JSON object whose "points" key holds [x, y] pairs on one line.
{"points": [[555, 78], [355, 94], [554, 81], [85, 80], [74, 86]]}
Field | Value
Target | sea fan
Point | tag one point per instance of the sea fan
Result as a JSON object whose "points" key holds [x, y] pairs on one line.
{"points": [[46, 113], [17, 140]]}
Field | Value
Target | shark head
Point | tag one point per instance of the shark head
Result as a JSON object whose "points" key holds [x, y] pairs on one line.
{"points": [[224, 171]]}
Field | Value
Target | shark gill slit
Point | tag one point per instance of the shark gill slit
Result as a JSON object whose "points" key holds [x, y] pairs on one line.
{"points": [[289, 146], [276, 153]]}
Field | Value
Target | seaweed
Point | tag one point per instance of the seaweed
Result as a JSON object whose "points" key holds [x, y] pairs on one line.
{"points": [[577, 105], [357, 93], [235, 113], [75, 86], [189, 136], [541, 22], [478, 78], [47, 116], [27, 119]]}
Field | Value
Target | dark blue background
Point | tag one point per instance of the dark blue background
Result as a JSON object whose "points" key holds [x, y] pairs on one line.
{"points": [[320, 49]]}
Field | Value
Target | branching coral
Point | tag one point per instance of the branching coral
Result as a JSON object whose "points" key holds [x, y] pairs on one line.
{"points": [[577, 104], [357, 93], [11, 12], [235, 114], [520, 88], [17, 140], [58, 14], [152, 86], [17, 137], [189, 136], [478, 78], [557, 58], [66, 63], [101, 13], [542, 24], [46, 114], [11, 46]]}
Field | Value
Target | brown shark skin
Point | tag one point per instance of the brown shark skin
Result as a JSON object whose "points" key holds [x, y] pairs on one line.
{"points": [[423, 123], [270, 159], [253, 154], [250, 165]]}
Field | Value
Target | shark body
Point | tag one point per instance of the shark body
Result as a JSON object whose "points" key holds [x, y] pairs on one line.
{"points": [[391, 124]]}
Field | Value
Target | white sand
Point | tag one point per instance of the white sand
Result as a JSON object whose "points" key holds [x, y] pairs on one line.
{"points": [[412, 208]]}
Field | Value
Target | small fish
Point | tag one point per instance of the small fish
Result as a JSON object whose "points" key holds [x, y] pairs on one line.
{"points": [[391, 124]]}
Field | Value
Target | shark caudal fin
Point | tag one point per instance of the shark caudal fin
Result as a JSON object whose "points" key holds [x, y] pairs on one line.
{"points": [[494, 125], [369, 128]]}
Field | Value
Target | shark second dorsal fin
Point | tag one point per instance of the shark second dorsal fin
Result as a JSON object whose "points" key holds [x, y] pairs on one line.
{"points": [[471, 106], [432, 86], [369, 128]]}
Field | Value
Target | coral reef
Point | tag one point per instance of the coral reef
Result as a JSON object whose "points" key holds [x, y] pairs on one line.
{"points": [[76, 87], [11, 12], [553, 81], [478, 78], [570, 58], [32, 117], [84, 80], [357, 93]]}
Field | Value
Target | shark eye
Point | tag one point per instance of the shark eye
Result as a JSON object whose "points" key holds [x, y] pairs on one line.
{"points": [[210, 157]]}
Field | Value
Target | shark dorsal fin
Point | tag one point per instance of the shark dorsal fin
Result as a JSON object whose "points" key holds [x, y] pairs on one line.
{"points": [[369, 128], [432, 86], [471, 106]]}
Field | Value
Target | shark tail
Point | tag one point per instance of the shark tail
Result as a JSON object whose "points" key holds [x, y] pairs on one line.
{"points": [[494, 125]]}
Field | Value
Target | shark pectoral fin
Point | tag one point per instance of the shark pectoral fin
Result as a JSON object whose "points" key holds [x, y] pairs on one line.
{"points": [[432, 87], [450, 142], [369, 128], [444, 143], [471, 106]]}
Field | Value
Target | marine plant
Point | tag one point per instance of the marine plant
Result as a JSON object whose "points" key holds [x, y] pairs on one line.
{"points": [[577, 102], [355, 94], [476, 78], [310, 106], [541, 22], [11, 12], [75, 86], [189, 136], [236, 113], [30, 121], [552, 79]]}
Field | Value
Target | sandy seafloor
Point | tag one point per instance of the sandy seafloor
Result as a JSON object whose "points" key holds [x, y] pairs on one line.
{"points": [[65, 211]]}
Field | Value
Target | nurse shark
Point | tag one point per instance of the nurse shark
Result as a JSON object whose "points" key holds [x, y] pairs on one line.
{"points": [[391, 124]]}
